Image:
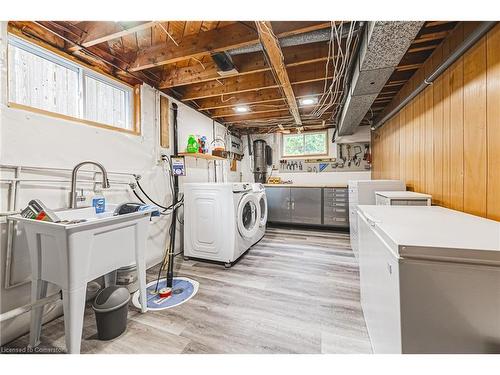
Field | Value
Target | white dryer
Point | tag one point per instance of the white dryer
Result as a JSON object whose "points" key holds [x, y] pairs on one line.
{"points": [[260, 194], [221, 220]]}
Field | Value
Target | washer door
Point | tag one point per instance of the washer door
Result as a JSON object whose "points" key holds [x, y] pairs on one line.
{"points": [[248, 216], [261, 198]]}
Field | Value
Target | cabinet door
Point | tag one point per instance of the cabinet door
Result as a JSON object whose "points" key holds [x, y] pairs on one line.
{"points": [[278, 204], [306, 205]]}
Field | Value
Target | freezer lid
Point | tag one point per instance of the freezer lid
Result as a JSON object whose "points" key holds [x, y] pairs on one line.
{"points": [[436, 233], [403, 195], [355, 183]]}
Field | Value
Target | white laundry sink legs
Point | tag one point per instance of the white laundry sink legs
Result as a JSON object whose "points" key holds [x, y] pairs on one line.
{"points": [[74, 307], [72, 255]]}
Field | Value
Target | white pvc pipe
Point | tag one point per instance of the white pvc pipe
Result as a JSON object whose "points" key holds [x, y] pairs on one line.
{"points": [[37, 168], [23, 309]]}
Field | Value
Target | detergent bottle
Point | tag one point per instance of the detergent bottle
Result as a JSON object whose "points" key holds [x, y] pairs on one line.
{"points": [[192, 144]]}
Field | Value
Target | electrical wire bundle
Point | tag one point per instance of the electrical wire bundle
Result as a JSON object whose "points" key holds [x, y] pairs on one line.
{"points": [[167, 210], [341, 48], [341, 58]]}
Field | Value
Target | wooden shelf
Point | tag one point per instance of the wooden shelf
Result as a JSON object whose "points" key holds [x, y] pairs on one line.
{"points": [[197, 155]]}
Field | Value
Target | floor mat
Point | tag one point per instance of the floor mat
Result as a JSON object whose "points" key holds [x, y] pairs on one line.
{"points": [[182, 290]]}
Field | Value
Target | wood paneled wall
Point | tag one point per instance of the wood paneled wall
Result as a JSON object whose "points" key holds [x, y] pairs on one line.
{"points": [[446, 141]]}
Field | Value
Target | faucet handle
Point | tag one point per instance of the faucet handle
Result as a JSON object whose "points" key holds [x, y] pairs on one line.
{"points": [[81, 197]]}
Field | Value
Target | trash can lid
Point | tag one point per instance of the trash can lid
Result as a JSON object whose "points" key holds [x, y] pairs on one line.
{"points": [[111, 298]]}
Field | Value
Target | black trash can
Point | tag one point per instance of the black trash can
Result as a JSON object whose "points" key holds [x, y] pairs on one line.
{"points": [[111, 308]]}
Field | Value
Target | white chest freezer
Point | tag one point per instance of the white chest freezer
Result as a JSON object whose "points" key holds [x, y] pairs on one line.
{"points": [[363, 192], [429, 279], [402, 198]]}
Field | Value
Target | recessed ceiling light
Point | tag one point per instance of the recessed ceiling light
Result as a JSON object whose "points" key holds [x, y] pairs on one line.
{"points": [[241, 109], [308, 101]]}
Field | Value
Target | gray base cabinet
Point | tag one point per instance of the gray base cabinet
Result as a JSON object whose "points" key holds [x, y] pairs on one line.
{"points": [[278, 204], [308, 205], [305, 205]]}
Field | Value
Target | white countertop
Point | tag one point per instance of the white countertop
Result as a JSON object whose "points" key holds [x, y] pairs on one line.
{"points": [[403, 194], [434, 232], [307, 186]]}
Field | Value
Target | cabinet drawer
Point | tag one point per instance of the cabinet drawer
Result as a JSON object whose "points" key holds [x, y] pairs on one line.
{"points": [[341, 221], [336, 211], [328, 201], [330, 192], [334, 203]]}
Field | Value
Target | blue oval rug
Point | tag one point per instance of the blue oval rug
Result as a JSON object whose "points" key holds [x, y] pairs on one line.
{"points": [[182, 290]]}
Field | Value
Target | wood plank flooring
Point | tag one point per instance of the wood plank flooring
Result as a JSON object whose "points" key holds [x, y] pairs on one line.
{"points": [[296, 291]]}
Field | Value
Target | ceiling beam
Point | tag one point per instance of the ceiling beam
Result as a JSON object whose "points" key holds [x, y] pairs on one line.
{"points": [[402, 68], [260, 96], [273, 51], [246, 63], [99, 32], [253, 82], [430, 36], [42, 33], [278, 115], [245, 98], [228, 37], [256, 108]]}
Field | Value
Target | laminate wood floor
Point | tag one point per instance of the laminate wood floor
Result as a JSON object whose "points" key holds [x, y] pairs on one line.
{"points": [[296, 291]]}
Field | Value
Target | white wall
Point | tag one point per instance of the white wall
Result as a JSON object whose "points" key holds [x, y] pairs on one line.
{"points": [[308, 178], [37, 140]]}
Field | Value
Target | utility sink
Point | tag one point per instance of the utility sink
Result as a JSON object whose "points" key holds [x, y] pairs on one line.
{"points": [[88, 214], [71, 255]]}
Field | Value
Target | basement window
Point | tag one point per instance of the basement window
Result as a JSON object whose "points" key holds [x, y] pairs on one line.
{"points": [[44, 82], [305, 144]]}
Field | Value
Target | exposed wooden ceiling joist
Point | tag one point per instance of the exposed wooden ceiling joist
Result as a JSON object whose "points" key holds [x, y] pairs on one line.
{"points": [[276, 116], [100, 32], [222, 39], [256, 108], [41, 33], [245, 63], [277, 61], [251, 82], [261, 96], [430, 36]]}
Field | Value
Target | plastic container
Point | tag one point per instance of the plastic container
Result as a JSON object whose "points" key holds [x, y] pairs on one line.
{"points": [[127, 277], [99, 202], [111, 308], [192, 144], [93, 289]]}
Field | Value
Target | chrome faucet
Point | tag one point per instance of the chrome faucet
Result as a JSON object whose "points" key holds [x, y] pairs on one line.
{"points": [[73, 193]]}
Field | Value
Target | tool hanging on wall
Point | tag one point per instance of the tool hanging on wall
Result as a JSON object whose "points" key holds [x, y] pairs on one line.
{"points": [[357, 159], [341, 156], [367, 156]]}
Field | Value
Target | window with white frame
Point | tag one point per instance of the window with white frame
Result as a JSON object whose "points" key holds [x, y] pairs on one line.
{"points": [[305, 144], [40, 79]]}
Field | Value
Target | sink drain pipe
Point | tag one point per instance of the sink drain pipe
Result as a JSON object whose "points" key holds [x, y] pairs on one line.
{"points": [[175, 193], [468, 42]]}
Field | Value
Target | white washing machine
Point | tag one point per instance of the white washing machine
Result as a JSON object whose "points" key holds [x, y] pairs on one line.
{"points": [[260, 194], [221, 220]]}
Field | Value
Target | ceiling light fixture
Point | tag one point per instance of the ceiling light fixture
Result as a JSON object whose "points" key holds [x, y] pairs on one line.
{"points": [[241, 109], [308, 101]]}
